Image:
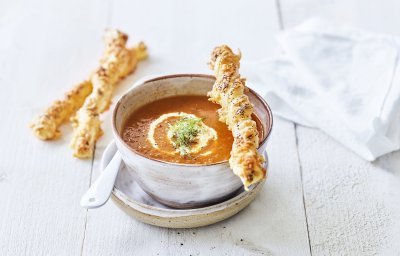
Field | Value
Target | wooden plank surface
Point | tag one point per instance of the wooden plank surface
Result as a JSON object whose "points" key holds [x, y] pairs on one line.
{"points": [[352, 205], [45, 48], [180, 39]]}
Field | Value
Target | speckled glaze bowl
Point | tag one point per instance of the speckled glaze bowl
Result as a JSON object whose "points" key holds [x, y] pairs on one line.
{"points": [[180, 185]]}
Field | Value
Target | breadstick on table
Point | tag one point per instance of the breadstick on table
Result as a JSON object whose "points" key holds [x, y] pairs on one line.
{"points": [[236, 111], [117, 63], [46, 126]]}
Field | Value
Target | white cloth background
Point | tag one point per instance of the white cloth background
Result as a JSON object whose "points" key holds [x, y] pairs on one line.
{"points": [[342, 80]]}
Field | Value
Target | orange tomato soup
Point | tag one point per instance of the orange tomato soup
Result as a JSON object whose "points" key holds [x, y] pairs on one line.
{"points": [[136, 130]]}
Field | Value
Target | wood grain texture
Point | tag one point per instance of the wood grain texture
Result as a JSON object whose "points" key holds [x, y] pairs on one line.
{"points": [[46, 47], [352, 205], [182, 43], [350, 202]]}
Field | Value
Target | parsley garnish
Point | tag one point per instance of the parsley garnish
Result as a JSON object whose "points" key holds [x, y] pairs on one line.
{"points": [[184, 132]]}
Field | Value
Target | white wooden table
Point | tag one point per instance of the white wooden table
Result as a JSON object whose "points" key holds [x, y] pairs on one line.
{"points": [[320, 198]]}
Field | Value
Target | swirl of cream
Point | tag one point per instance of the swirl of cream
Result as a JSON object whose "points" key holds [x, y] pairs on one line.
{"points": [[203, 138]]}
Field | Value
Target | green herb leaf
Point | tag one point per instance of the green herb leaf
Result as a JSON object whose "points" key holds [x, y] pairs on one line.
{"points": [[184, 132]]}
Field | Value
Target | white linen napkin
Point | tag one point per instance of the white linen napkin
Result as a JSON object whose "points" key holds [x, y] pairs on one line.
{"points": [[341, 80]]}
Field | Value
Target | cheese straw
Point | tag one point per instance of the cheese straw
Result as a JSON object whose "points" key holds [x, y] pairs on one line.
{"points": [[236, 111], [117, 62], [46, 126]]}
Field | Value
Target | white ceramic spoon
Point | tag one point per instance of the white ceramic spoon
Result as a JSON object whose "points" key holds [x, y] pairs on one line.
{"points": [[100, 191]]}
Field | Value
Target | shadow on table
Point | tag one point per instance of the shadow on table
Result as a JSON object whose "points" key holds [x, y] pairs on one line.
{"points": [[390, 162], [265, 227]]}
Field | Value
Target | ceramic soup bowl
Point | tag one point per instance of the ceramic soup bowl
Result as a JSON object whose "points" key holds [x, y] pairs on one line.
{"points": [[180, 185]]}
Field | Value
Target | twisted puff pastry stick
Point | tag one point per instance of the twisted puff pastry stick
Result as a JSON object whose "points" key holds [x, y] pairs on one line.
{"points": [[46, 126], [117, 63], [236, 111]]}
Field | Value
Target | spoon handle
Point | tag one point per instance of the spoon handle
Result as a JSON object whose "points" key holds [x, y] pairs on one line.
{"points": [[101, 189]]}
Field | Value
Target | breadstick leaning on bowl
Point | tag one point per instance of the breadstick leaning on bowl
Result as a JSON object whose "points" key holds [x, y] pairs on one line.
{"points": [[236, 110], [118, 62]]}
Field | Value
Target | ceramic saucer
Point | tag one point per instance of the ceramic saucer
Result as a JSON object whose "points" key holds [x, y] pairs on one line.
{"points": [[134, 201]]}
